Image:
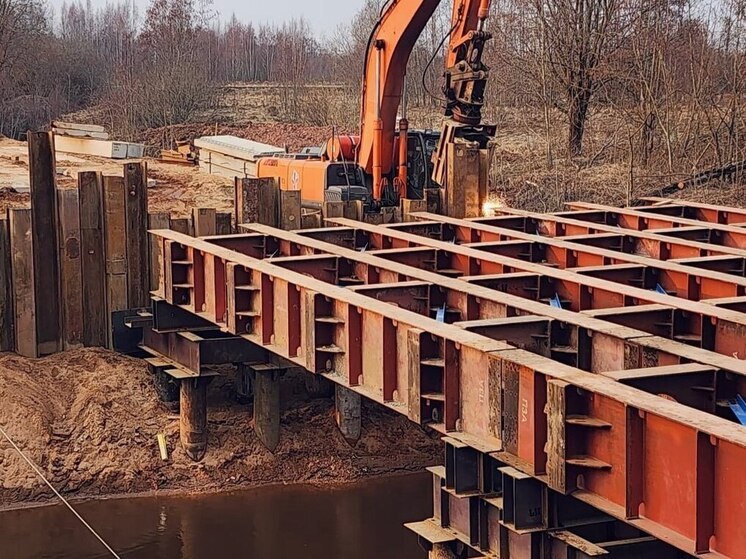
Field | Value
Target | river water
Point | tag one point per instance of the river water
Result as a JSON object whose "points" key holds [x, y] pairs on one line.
{"points": [[356, 521]]}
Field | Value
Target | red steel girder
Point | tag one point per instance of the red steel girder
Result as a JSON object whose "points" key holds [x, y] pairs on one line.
{"points": [[501, 295], [607, 346], [666, 468], [629, 218], [723, 330], [676, 243], [725, 215], [588, 344], [679, 279]]}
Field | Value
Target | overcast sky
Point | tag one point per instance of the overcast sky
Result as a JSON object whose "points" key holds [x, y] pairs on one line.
{"points": [[323, 15]]}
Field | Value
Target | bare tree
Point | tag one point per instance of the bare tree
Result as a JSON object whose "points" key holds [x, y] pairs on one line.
{"points": [[579, 36], [21, 21]]}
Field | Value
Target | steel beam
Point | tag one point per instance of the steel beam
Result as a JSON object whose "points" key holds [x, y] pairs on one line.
{"points": [[679, 242], [480, 300], [727, 235], [588, 344], [677, 278], [492, 397], [710, 213], [195, 351], [721, 329]]}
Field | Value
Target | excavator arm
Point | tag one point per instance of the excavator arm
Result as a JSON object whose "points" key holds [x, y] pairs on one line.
{"points": [[389, 48]]}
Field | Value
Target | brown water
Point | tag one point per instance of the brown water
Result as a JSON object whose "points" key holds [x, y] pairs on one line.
{"points": [[359, 521]]}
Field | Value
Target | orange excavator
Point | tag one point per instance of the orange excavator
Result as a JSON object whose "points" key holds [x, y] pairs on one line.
{"points": [[387, 162]]}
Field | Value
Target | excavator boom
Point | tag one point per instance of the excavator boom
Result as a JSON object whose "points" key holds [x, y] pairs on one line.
{"points": [[389, 48]]}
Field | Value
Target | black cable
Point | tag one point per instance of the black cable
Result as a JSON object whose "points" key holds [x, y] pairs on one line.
{"points": [[429, 63]]}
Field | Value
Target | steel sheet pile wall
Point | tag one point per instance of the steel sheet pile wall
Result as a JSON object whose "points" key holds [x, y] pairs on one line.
{"points": [[579, 365], [59, 259]]}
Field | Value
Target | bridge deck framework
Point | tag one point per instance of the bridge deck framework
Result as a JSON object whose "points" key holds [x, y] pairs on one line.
{"points": [[580, 366]]}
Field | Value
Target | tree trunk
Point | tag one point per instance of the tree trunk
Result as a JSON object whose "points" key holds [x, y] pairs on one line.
{"points": [[577, 112]]}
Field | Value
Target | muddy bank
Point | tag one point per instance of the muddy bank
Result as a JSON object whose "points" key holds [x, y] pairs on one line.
{"points": [[89, 418]]}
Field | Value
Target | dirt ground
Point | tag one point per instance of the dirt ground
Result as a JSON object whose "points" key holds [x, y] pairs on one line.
{"points": [[89, 418]]}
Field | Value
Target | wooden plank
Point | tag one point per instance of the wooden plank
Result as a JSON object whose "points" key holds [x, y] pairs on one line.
{"points": [[203, 221], [115, 248], [136, 212], [77, 126], [391, 214], [243, 201], [99, 148], [93, 261], [71, 272], [7, 334], [432, 198], [7, 342], [557, 435], [44, 227], [181, 225], [223, 223], [414, 375], [24, 306], [290, 210], [353, 209], [156, 220], [269, 202]]}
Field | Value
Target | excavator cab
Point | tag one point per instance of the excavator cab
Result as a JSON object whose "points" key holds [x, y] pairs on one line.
{"points": [[421, 144]]}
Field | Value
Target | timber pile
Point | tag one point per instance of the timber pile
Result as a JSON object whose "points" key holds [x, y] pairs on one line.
{"points": [[92, 139], [230, 156]]}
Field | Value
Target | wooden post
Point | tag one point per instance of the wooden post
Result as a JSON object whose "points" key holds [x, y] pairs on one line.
{"points": [[348, 413], [332, 209], [203, 220], [181, 225], [193, 416], [24, 304], [391, 214], [93, 259], [432, 198], [44, 227], [267, 404], [115, 248], [223, 223], [71, 272], [138, 275], [290, 210], [409, 207], [7, 337], [156, 220], [242, 201], [353, 209], [257, 201]]}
